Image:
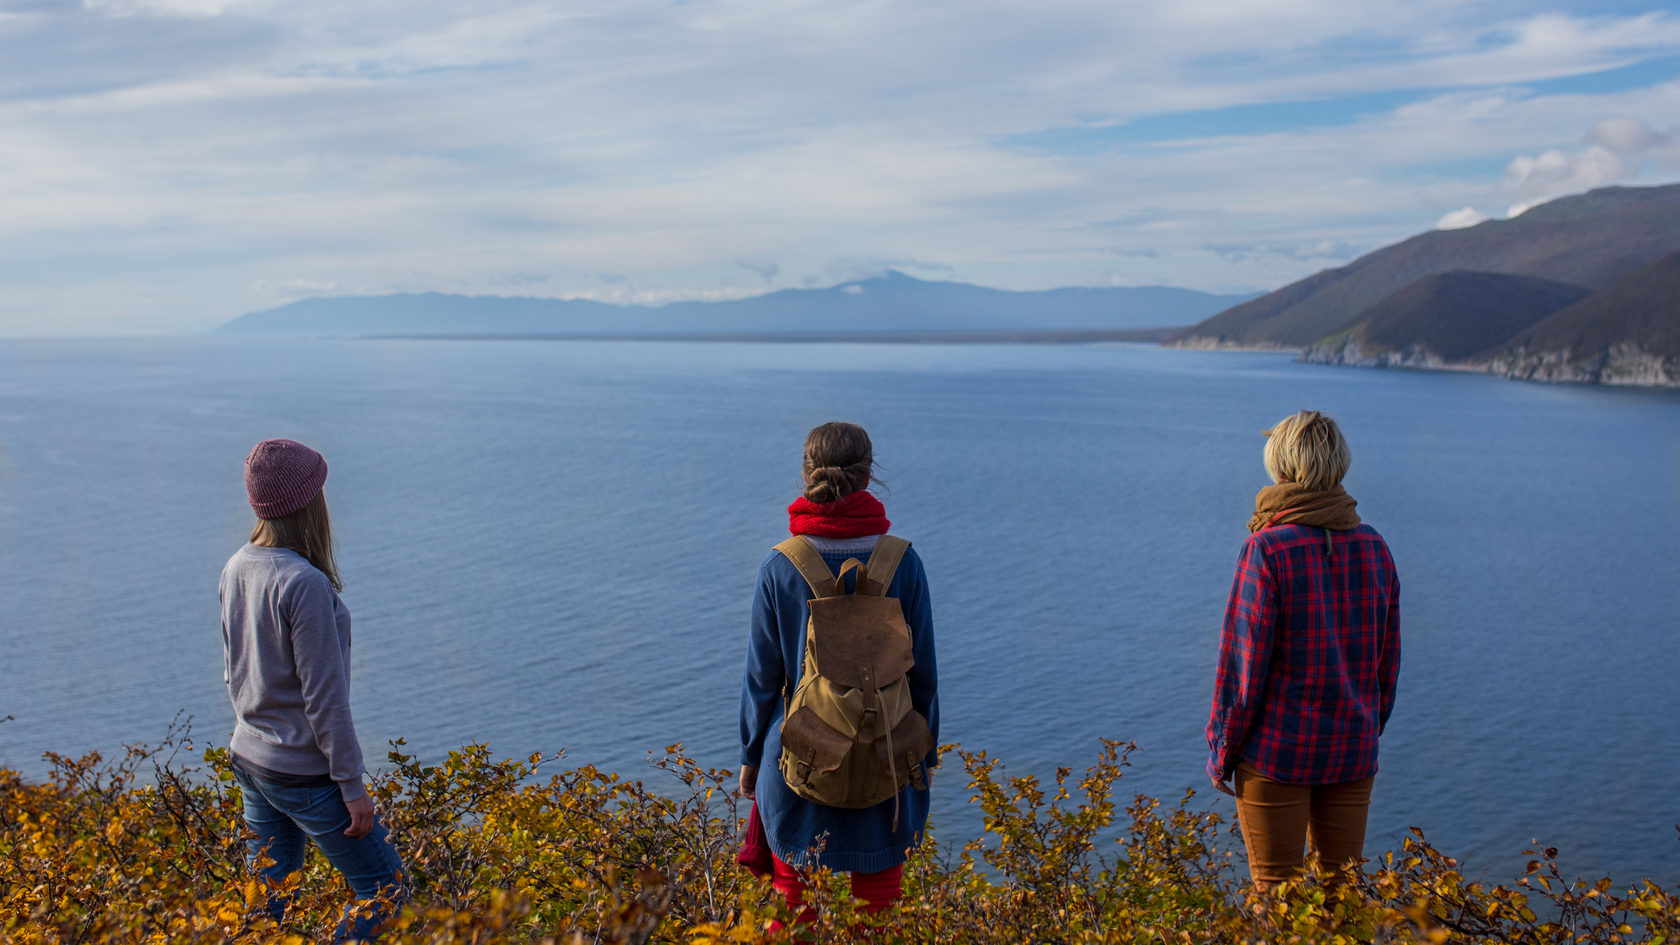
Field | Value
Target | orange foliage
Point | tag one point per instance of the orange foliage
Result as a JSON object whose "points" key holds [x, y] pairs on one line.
{"points": [[148, 848]]}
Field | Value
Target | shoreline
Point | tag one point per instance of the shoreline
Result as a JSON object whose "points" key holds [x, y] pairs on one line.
{"points": [[1051, 337], [1622, 366], [1210, 344]]}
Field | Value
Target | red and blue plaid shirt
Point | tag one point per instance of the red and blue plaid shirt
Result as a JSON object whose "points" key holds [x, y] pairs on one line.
{"points": [[1308, 658]]}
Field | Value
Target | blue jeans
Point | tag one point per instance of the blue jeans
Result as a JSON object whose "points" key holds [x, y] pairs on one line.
{"points": [[283, 818]]}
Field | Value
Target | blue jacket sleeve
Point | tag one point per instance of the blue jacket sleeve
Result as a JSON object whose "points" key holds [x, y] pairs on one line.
{"points": [[762, 682], [924, 676]]}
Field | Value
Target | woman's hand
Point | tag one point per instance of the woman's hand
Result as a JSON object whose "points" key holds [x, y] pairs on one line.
{"points": [[749, 780], [361, 817], [1224, 787]]}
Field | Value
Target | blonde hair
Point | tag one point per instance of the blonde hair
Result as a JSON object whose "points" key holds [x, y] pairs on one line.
{"points": [[1307, 448]]}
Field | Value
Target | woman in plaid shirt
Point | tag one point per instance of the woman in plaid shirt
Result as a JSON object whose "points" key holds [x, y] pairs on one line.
{"points": [[1307, 661]]}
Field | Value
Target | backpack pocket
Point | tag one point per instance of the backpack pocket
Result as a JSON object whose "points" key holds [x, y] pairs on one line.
{"points": [[911, 743], [811, 749]]}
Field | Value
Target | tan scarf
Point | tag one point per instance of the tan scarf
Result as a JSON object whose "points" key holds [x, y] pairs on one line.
{"points": [[1290, 503]]}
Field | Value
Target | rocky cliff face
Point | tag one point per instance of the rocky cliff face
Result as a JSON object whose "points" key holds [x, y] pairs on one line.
{"points": [[1625, 365], [1622, 364], [1207, 343], [1354, 352]]}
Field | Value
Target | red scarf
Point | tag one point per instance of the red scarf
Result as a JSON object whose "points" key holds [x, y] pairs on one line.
{"points": [[852, 516]]}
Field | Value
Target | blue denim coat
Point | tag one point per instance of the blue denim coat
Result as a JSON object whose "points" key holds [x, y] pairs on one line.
{"points": [[863, 840]]}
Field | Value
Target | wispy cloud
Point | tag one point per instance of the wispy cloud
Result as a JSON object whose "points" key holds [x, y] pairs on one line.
{"points": [[1614, 150], [854, 268], [764, 269], [175, 162], [300, 288], [1460, 218], [183, 8]]}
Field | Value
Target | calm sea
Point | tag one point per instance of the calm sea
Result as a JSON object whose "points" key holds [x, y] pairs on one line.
{"points": [[552, 546]]}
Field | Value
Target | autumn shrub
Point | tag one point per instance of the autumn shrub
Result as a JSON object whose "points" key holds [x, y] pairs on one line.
{"points": [[148, 847]]}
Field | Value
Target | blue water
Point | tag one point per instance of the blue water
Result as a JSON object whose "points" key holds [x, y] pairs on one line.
{"points": [[552, 545]]}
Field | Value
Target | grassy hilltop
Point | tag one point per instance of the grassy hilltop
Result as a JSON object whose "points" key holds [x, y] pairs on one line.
{"points": [[147, 848]]}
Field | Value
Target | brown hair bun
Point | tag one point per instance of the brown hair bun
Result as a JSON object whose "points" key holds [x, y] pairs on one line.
{"points": [[839, 460]]}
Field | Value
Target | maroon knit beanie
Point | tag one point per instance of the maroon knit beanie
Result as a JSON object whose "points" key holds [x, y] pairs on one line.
{"points": [[282, 476]]}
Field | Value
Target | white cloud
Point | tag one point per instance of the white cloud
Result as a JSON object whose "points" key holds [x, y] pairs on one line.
{"points": [[1460, 218], [652, 296], [189, 8], [1624, 135], [300, 288], [765, 269], [1554, 173], [199, 146], [1615, 151]]}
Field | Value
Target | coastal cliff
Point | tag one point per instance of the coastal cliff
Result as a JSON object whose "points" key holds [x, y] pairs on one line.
{"points": [[1581, 290], [1354, 352], [1626, 334], [1622, 365]]}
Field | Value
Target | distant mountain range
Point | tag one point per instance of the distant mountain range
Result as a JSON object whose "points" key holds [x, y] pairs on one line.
{"points": [[1581, 289], [889, 305]]}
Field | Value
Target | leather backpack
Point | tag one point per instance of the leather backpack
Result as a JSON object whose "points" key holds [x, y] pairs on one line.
{"points": [[850, 737]]}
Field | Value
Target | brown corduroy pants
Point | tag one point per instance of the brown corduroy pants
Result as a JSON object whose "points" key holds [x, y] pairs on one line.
{"points": [[1278, 820]]}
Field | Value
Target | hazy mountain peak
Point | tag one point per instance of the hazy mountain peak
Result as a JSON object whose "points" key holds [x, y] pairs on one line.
{"points": [[890, 302]]}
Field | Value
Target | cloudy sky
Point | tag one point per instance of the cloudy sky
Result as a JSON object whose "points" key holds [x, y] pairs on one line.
{"points": [[166, 165]]}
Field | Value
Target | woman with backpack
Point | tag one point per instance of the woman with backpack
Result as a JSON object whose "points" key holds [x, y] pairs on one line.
{"points": [[837, 741], [1307, 661], [286, 651]]}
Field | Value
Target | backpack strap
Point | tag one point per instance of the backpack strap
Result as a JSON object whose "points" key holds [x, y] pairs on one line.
{"points": [[810, 563], [883, 564], [814, 570]]}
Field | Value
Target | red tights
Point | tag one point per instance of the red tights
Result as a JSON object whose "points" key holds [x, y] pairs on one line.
{"points": [[877, 890]]}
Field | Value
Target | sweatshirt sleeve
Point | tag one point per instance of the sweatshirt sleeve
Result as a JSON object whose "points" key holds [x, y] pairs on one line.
{"points": [[321, 658], [1245, 654], [221, 605], [762, 681], [924, 675]]}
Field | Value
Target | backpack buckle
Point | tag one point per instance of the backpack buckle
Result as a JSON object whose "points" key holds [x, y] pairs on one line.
{"points": [[918, 778]]}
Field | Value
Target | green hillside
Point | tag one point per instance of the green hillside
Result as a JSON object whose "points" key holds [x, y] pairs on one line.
{"points": [[1590, 240], [1642, 309], [1450, 316]]}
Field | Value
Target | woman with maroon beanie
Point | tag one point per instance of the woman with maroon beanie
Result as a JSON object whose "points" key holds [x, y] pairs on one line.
{"points": [[1307, 662], [840, 520], [286, 650]]}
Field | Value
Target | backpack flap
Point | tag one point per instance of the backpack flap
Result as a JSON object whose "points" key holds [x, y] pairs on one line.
{"points": [[810, 747], [860, 641]]}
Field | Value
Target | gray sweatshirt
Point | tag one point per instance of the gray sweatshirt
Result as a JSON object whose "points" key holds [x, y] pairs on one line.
{"points": [[286, 652]]}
